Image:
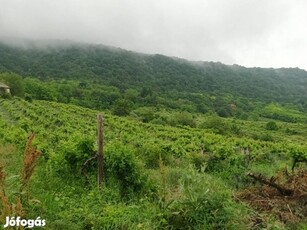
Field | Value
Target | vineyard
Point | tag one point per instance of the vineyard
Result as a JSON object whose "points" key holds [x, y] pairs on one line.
{"points": [[157, 177]]}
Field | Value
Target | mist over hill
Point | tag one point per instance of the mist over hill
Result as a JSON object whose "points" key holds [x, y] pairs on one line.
{"points": [[56, 59]]}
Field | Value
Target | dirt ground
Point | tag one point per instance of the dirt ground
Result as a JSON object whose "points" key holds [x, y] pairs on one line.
{"points": [[290, 208]]}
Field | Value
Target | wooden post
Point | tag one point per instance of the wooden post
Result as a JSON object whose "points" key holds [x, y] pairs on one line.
{"points": [[100, 150]]}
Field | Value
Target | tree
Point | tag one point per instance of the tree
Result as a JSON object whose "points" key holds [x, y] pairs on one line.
{"points": [[131, 94], [15, 82], [39, 90], [122, 107]]}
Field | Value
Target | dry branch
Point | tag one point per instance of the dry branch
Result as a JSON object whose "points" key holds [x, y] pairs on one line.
{"points": [[264, 180], [84, 166]]}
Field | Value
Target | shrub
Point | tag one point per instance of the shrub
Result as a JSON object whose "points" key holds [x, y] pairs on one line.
{"points": [[183, 118], [271, 125], [79, 153], [122, 107], [126, 169], [217, 124], [198, 159], [145, 114], [71, 155], [28, 97], [151, 153]]}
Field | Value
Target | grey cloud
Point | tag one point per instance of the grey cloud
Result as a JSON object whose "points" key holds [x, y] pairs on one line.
{"points": [[230, 31]]}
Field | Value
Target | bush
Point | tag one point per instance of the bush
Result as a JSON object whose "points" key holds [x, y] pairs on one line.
{"points": [[271, 125], [81, 151], [28, 97], [122, 165], [122, 107], [71, 155], [15, 82], [145, 114], [5, 95], [198, 159], [183, 118], [217, 124], [151, 153]]}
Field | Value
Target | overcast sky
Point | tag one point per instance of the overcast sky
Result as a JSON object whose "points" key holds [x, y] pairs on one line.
{"points": [[264, 33]]}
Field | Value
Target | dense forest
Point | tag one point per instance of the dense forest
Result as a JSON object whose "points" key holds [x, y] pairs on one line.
{"points": [[187, 145], [158, 74], [101, 77]]}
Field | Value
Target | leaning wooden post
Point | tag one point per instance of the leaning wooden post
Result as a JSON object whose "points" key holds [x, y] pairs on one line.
{"points": [[100, 150]]}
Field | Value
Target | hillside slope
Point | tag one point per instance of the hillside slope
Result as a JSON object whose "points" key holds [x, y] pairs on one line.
{"points": [[163, 75], [156, 175]]}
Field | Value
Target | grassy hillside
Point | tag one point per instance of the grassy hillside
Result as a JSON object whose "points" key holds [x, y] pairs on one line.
{"points": [[187, 145], [157, 176]]}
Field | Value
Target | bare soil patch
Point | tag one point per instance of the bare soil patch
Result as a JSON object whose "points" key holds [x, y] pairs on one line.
{"points": [[289, 208]]}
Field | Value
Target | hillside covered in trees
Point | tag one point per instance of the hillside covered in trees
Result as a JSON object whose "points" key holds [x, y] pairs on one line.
{"points": [[187, 145], [162, 76]]}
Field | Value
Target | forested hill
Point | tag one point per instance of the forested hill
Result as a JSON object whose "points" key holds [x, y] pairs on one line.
{"points": [[125, 69]]}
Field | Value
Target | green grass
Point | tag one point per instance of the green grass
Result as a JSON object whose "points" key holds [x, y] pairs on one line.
{"points": [[66, 135]]}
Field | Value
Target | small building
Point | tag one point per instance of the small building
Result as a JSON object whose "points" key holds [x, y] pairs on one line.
{"points": [[4, 89]]}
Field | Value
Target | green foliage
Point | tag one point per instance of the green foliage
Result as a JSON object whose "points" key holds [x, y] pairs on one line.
{"points": [[217, 124], [122, 107], [131, 196], [73, 154], [271, 125], [145, 114], [199, 159], [28, 97], [122, 164], [14, 81], [37, 90], [131, 95], [264, 137], [146, 79], [151, 154], [298, 152], [5, 95], [206, 204], [277, 112], [182, 118], [154, 89]]}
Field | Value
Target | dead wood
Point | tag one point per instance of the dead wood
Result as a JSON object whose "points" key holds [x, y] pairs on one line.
{"points": [[271, 182], [84, 166]]}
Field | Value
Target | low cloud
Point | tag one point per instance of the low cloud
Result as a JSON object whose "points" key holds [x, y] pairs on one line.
{"points": [[251, 33]]}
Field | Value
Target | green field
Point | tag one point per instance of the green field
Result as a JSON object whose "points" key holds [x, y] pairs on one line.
{"points": [[157, 177], [187, 145]]}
